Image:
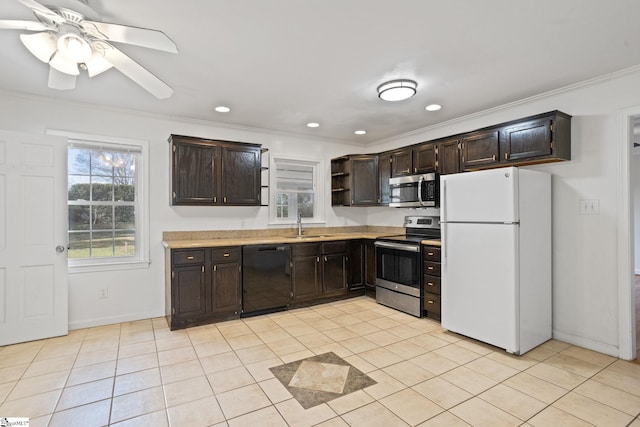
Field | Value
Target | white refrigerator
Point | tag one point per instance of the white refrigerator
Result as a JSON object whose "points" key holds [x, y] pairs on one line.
{"points": [[496, 256]]}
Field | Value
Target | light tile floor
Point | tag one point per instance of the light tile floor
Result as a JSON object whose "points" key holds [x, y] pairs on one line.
{"points": [[143, 374]]}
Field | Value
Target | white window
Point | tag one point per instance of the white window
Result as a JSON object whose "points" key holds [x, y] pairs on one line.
{"points": [[107, 203], [296, 188]]}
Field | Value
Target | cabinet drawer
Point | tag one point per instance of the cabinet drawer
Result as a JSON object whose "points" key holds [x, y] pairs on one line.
{"points": [[334, 247], [305, 249], [431, 284], [431, 254], [231, 254], [432, 302], [195, 256], [432, 268]]}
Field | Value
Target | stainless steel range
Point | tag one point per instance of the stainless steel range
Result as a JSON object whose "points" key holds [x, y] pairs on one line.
{"points": [[399, 264]]}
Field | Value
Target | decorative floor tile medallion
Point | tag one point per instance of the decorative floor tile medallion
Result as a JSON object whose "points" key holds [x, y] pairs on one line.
{"points": [[321, 378]]}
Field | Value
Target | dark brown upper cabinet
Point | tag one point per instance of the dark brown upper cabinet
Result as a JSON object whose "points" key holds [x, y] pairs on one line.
{"points": [[384, 173], [354, 180], [401, 163], [214, 173], [448, 156], [547, 138], [480, 149], [424, 158]]}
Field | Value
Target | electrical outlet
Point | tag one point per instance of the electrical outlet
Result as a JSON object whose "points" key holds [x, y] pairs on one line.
{"points": [[103, 293], [590, 207]]}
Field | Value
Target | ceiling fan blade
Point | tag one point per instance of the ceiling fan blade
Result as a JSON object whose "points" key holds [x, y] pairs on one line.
{"points": [[61, 81], [23, 25], [144, 37], [137, 73], [43, 10]]}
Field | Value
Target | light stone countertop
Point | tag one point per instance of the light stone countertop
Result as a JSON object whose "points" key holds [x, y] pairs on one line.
{"points": [[208, 239]]}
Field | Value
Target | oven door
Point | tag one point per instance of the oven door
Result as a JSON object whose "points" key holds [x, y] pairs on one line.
{"points": [[398, 267]]}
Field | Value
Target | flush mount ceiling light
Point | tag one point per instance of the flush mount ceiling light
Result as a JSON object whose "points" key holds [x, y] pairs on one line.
{"points": [[433, 107], [313, 125], [222, 109], [397, 90], [360, 132]]}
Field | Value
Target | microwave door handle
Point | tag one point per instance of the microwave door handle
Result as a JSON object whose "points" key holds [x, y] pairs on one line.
{"points": [[420, 181]]}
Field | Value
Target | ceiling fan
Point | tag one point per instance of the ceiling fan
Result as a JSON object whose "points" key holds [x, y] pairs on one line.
{"points": [[68, 42]]}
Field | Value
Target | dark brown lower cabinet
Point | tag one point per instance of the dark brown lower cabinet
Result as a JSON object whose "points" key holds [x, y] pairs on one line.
{"points": [[205, 285], [306, 271], [370, 263], [226, 280], [334, 268], [431, 281], [189, 292]]}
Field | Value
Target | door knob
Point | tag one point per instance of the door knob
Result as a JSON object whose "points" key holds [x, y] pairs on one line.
{"points": [[59, 249]]}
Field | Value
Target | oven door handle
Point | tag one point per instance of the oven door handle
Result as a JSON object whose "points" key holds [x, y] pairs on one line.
{"points": [[399, 246]]}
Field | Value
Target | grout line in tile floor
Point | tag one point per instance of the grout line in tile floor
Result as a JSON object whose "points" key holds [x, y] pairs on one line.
{"points": [[141, 373]]}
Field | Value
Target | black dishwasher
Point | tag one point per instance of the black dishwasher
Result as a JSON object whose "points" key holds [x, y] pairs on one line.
{"points": [[266, 278]]}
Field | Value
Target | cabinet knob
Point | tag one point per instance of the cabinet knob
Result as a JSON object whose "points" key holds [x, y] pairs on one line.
{"points": [[430, 268], [430, 302], [429, 283], [226, 254], [430, 253], [215, 199], [190, 257]]}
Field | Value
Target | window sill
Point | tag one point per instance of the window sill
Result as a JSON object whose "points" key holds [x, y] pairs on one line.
{"points": [[112, 266]]}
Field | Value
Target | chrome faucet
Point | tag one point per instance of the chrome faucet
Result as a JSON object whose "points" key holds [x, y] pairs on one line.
{"points": [[299, 222]]}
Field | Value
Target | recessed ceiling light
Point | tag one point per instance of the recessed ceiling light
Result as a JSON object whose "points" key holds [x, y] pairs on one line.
{"points": [[223, 109], [360, 132], [397, 90], [433, 107], [313, 125]]}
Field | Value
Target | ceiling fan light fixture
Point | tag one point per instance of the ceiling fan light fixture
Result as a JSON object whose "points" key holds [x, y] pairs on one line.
{"points": [[62, 64], [397, 90], [97, 64], [74, 47], [41, 45]]}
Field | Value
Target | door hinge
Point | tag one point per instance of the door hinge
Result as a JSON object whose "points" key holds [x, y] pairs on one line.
{"points": [[174, 148], [174, 194], [551, 127]]}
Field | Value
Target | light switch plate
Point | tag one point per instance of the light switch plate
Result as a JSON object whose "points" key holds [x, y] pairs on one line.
{"points": [[590, 207]]}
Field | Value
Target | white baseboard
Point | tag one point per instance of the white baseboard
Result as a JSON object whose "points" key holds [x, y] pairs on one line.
{"points": [[102, 321], [611, 350]]}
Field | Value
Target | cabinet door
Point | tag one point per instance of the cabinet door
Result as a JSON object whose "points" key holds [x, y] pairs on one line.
{"points": [[240, 175], [226, 288], [527, 140], [384, 173], [401, 163], [370, 263], [356, 264], [424, 158], [194, 173], [480, 149], [188, 301], [448, 157], [306, 278], [334, 273], [364, 181]]}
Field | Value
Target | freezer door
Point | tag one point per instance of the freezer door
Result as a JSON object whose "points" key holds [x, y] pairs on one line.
{"points": [[479, 282], [481, 196]]}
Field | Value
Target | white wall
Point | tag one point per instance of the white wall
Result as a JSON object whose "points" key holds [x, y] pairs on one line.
{"points": [[585, 259], [139, 293], [585, 307], [635, 191]]}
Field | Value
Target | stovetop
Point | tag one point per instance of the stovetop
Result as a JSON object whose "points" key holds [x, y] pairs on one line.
{"points": [[417, 228]]}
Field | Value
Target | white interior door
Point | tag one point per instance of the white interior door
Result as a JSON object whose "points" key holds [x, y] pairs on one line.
{"points": [[33, 237]]}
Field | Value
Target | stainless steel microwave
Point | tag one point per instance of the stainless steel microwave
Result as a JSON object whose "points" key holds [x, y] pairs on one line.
{"points": [[415, 191]]}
